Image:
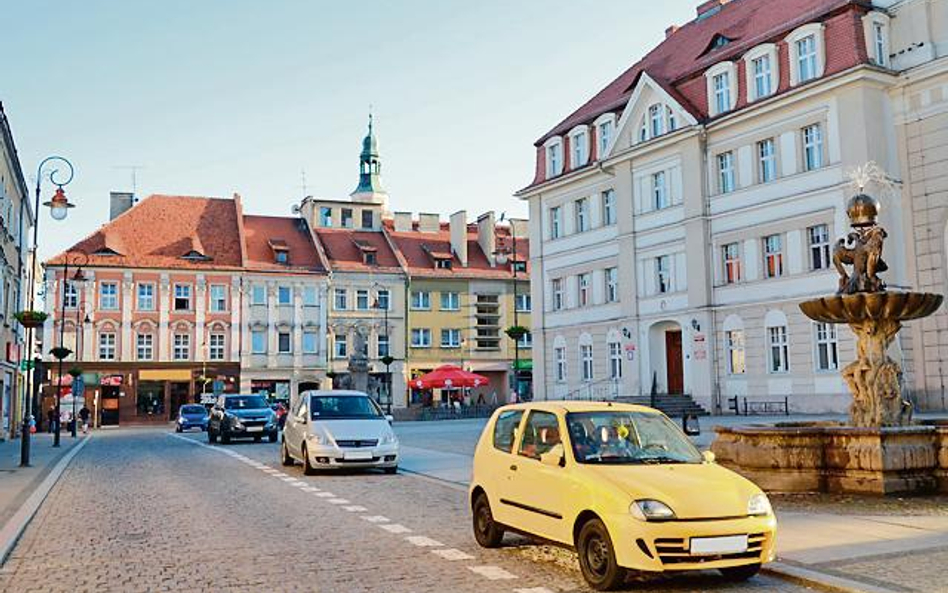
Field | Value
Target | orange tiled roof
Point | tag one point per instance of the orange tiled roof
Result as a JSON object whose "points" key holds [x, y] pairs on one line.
{"points": [[265, 234], [345, 247]]}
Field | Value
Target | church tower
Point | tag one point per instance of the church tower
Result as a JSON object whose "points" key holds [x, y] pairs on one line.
{"points": [[370, 189]]}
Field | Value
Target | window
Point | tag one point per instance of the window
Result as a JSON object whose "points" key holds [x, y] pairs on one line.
{"points": [[722, 92], [340, 302], [325, 216], [310, 342], [608, 207], [340, 347], [656, 123], [580, 149], [420, 300], [310, 296], [659, 191], [605, 136], [812, 147], [368, 219], [612, 285], [144, 346], [554, 160], [450, 301], [215, 347], [762, 79], [560, 359], [779, 349], [735, 351], [258, 342], [370, 258], [383, 300], [70, 295], [108, 296], [345, 218], [556, 222], [583, 289], [421, 337], [557, 290], [773, 256], [523, 303], [107, 346], [362, 300], [283, 343], [525, 341], [819, 246], [663, 273], [615, 360], [519, 266], [182, 297], [284, 295], [258, 295], [672, 124], [282, 257], [218, 298], [806, 58], [382, 345], [726, 181], [586, 360], [443, 263], [766, 161], [732, 263], [827, 351], [878, 44], [505, 430], [450, 338], [582, 215], [541, 434], [146, 297], [182, 347]]}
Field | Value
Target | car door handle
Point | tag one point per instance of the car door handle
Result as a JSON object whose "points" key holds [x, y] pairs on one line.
{"points": [[513, 468]]}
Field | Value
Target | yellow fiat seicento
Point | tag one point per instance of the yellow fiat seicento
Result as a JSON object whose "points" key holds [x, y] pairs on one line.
{"points": [[622, 485]]}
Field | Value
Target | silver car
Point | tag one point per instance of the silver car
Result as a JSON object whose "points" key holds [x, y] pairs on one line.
{"points": [[336, 430]]}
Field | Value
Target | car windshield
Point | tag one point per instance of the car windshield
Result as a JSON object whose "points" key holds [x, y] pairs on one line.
{"points": [[245, 402], [328, 407], [192, 410], [623, 437]]}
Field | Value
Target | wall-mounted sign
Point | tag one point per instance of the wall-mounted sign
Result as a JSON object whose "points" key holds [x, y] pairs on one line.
{"points": [[630, 351]]}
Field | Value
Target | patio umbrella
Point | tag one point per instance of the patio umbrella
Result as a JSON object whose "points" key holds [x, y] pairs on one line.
{"points": [[449, 377]]}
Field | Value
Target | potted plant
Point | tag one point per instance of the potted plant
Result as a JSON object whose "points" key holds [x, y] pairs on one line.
{"points": [[516, 332], [75, 372], [31, 318], [387, 360], [60, 352]]}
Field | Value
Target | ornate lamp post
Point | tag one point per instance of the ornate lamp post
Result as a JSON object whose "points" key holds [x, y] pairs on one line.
{"points": [[61, 352], [515, 332], [59, 207], [78, 280], [387, 360]]}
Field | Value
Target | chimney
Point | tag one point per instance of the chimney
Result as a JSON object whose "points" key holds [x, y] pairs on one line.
{"points": [[402, 222], [706, 9], [670, 30], [459, 236], [487, 235], [428, 223], [119, 203]]}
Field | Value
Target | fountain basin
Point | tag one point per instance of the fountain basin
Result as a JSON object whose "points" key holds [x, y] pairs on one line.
{"points": [[872, 306], [828, 457]]}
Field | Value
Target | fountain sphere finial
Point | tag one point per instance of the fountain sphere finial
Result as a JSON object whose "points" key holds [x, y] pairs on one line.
{"points": [[862, 210]]}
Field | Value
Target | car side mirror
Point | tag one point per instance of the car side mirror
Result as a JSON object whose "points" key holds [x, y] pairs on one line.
{"points": [[708, 456], [690, 425], [390, 418], [554, 457]]}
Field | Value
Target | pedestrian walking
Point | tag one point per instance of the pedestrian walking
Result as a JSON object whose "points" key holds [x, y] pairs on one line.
{"points": [[84, 414], [50, 419]]}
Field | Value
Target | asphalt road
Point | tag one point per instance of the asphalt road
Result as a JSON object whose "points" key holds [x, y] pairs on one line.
{"points": [[146, 510]]}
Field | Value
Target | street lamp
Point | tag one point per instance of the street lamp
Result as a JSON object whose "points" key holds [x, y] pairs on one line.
{"points": [[387, 360], [78, 280], [61, 209], [61, 352], [516, 335]]}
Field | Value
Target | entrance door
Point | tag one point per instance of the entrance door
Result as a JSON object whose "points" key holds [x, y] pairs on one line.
{"points": [[180, 395], [673, 364]]}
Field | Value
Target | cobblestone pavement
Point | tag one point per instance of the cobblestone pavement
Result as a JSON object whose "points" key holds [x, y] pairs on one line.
{"points": [[148, 511]]}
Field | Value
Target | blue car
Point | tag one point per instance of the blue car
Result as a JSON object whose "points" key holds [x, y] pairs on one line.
{"points": [[191, 416]]}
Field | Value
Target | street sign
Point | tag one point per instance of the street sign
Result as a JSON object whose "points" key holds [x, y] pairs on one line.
{"points": [[218, 387], [78, 387]]}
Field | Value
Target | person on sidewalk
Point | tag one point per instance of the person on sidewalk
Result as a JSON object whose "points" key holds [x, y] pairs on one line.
{"points": [[51, 419], [84, 414]]}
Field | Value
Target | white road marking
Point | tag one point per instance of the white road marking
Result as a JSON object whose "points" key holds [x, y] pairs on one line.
{"points": [[534, 590], [300, 485], [290, 479], [355, 509], [325, 495], [492, 573], [452, 554], [374, 518], [394, 528], [310, 489], [423, 542], [338, 501]]}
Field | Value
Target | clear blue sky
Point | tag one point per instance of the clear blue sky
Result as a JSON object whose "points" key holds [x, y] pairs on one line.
{"points": [[216, 97]]}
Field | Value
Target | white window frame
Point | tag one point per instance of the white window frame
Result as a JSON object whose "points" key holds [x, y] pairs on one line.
{"points": [[258, 347], [523, 303], [721, 80], [70, 294], [771, 73], [289, 343], [553, 149], [811, 138], [559, 363], [766, 160], [586, 363], [450, 338], [340, 347], [583, 292], [581, 212], [876, 31], [109, 302], [660, 196], [420, 300], [769, 242], [144, 346], [258, 295], [556, 222], [383, 298], [525, 341], [579, 147], [186, 293], [825, 344], [664, 274], [310, 296], [727, 181], [310, 342], [450, 301], [818, 244], [218, 302], [420, 337], [734, 341], [612, 284], [814, 30], [731, 261], [605, 127], [149, 299], [362, 300], [609, 216], [181, 346], [108, 341], [615, 360], [216, 346], [383, 345], [556, 292], [778, 350], [340, 299], [656, 120], [284, 290]]}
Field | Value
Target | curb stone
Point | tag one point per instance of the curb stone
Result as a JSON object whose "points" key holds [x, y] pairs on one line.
{"points": [[10, 532], [820, 580]]}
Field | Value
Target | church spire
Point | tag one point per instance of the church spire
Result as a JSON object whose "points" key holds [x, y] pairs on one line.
{"points": [[370, 170]]}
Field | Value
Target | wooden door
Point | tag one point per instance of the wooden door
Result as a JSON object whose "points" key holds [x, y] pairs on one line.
{"points": [[675, 372]]}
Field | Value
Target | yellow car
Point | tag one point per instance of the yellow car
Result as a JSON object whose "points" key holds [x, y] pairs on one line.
{"points": [[620, 484]]}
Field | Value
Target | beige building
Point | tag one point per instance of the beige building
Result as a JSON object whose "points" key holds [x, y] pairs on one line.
{"points": [[684, 211]]}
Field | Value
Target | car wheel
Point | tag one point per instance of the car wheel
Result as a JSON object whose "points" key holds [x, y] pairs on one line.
{"points": [[211, 436], [487, 532], [740, 573], [225, 437], [597, 557], [391, 470], [285, 457], [177, 428], [272, 437], [308, 468]]}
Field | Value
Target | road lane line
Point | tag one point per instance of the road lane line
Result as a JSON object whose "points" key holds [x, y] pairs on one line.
{"points": [[355, 509], [338, 501], [534, 590], [325, 494], [310, 489], [394, 528], [452, 554], [492, 573], [374, 518], [423, 542]]}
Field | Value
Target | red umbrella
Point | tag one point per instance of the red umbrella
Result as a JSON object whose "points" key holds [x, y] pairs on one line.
{"points": [[449, 377]]}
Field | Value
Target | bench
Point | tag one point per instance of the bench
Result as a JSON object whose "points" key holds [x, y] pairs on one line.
{"points": [[767, 407]]}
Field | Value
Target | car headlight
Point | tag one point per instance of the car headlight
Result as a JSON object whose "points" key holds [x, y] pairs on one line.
{"points": [[317, 439], [759, 504], [182, 420], [388, 439], [235, 422], [651, 510]]}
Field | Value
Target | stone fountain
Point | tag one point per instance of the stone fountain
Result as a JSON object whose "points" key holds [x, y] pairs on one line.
{"points": [[880, 450]]}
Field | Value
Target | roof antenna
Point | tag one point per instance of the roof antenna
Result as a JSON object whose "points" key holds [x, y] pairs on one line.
{"points": [[303, 178], [134, 169]]}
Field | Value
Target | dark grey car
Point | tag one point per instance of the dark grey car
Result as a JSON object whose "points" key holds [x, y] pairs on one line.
{"points": [[241, 416]]}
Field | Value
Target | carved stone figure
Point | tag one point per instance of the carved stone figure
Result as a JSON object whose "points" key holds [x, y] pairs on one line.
{"points": [[861, 249]]}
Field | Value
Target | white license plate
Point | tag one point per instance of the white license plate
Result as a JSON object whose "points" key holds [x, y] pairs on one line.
{"points": [[731, 544], [358, 455], [254, 429]]}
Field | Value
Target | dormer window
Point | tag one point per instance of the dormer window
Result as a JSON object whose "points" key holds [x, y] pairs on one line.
{"points": [[518, 266], [722, 92], [282, 257], [442, 260], [369, 252], [370, 258], [762, 67], [605, 129], [554, 157], [719, 41], [722, 88], [876, 31], [807, 57], [443, 264], [325, 217], [281, 252], [579, 147], [658, 121]]}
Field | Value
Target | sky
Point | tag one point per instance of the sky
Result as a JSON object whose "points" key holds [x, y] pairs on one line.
{"points": [[214, 97]]}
